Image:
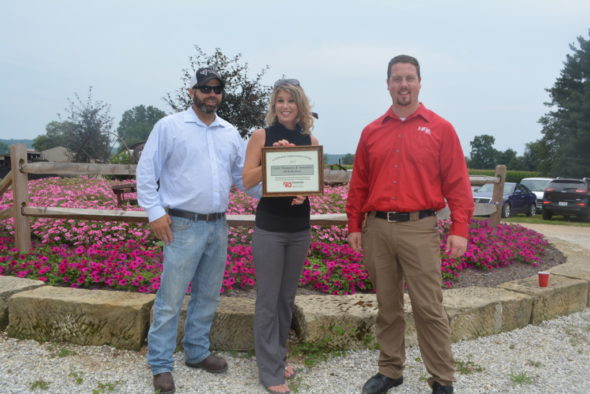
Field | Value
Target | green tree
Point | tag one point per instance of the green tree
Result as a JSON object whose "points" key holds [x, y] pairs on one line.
{"points": [[510, 159], [348, 158], [136, 124], [85, 131], [483, 154], [56, 135], [245, 100], [533, 154], [566, 128]]}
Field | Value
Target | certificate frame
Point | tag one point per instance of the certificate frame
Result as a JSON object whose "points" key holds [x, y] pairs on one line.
{"points": [[292, 171]]}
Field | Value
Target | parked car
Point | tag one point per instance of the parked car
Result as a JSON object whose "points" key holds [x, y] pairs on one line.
{"points": [[517, 198], [537, 186], [567, 196]]}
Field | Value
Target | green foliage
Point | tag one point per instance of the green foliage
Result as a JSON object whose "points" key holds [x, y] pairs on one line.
{"points": [[245, 100], [467, 367], [77, 377], [521, 378], [348, 159], [510, 159], [39, 384], [517, 176], [531, 159], [63, 352], [556, 220], [334, 342], [566, 128], [136, 125], [511, 176], [483, 154], [577, 337], [105, 387], [314, 353], [123, 157], [56, 135], [85, 131]]}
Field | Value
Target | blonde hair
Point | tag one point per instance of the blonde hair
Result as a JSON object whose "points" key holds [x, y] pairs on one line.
{"points": [[304, 116]]}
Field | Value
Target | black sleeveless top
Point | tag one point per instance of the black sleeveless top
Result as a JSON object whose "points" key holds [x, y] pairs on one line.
{"points": [[276, 213]]}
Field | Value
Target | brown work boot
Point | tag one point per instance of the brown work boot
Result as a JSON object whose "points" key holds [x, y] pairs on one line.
{"points": [[212, 363], [164, 383]]}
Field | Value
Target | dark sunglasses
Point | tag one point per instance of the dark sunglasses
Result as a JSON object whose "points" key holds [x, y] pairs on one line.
{"points": [[207, 89], [282, 82]]}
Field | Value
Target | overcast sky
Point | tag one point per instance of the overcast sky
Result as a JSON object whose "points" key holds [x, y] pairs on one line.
{"points": [[485, 65]]}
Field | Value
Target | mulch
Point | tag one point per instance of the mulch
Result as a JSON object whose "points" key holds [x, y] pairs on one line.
{"points": [[469, 277], [492, 278]]}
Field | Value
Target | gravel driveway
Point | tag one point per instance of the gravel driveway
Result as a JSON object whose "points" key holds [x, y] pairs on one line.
{"points": [[575, 234]]}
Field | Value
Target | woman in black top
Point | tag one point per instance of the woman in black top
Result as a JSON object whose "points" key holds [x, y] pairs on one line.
{"points": [[281, 236]]}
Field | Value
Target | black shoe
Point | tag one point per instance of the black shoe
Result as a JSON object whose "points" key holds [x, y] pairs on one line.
{"points": [[438, 388], [379, 384]]}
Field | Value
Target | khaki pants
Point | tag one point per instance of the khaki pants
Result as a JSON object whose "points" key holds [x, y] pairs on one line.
{"points": [[408, 251]]}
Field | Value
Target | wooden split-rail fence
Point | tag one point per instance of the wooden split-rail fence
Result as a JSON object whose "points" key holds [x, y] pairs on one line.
{"points": [[17, 180]]}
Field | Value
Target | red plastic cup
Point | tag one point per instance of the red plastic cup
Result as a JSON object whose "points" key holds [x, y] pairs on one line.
{"points": [[543, 279]]}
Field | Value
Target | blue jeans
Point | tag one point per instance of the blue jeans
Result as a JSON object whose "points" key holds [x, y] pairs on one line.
{"points": [[197, 255]]}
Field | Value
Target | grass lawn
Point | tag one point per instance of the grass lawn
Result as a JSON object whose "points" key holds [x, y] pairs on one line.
{"points": [[538, 219]]}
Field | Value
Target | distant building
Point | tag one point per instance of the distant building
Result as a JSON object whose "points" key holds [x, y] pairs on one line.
{"points": [[58, 153], [31, 156], [5, 164]]}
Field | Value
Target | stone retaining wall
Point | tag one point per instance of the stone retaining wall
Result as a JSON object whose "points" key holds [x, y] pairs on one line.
{"points": [[30, 309]]}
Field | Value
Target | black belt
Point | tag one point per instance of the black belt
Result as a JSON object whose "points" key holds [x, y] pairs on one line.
{"points": [[404, 216], [208, 217]]}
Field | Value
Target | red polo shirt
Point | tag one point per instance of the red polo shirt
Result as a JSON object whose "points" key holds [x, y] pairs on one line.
{"points": [[409, 166]]}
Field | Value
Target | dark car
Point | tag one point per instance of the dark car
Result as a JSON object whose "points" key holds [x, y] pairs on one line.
{"points": [[537, 186], [567, 197], [517, 198]]}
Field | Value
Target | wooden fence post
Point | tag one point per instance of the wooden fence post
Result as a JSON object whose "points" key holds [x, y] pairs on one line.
{"points": [[20, 190], [498, 195]]}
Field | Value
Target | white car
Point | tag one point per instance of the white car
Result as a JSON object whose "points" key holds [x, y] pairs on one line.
{"points": [[537, 186]]}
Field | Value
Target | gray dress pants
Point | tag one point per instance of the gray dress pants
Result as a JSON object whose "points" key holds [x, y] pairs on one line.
{"points": [[278, 258]]}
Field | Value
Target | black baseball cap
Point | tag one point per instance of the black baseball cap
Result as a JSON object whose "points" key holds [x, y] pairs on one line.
{"points": [[204, 75]]}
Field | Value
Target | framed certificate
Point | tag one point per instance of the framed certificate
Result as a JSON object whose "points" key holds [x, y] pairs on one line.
{"points": [[292, 170]]}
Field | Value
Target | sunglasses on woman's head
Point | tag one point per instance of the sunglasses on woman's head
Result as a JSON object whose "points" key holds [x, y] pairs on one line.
{"points": [[282, 82]]}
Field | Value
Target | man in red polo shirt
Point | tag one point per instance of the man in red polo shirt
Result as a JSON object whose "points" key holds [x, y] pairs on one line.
{"points": [[407, 163]]}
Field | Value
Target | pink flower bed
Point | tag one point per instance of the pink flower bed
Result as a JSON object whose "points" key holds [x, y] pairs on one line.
{"points": [[121, 255]]}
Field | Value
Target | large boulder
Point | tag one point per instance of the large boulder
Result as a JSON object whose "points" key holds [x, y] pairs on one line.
{"points": [[233, 325], [10, 285], [480, 311], [84, 317], [577, 267], [562, 297], [336, 322]]}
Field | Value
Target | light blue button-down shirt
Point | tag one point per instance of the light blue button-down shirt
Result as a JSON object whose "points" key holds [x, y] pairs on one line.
{"points": [[195, 163]]}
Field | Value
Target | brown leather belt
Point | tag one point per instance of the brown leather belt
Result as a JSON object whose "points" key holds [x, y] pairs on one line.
{"points": [[395, 217], [208, 217]]}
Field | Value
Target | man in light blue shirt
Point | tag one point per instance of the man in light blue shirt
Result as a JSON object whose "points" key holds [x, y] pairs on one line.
{"points": [[184, 176]]}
